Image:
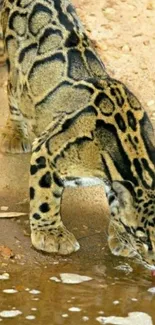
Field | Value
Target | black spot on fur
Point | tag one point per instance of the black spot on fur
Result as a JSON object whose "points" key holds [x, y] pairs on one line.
{"points": [[56, 195], [146, 204], [8, 64], [32, 193], [139, 193], [140, 229], [38, 148], [115, 92], [146, 211], [72, 39], [132, 142], [132, 120], [33, 169], [111, 198], [57, 180], [63, 18], [136, 139], [151, 213], [41, 161], [44, 207], [120, 122], [46, 180], [36, 216]]}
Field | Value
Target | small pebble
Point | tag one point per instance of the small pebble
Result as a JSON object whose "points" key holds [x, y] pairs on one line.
{"points": [[4, 276], [151, 103], [126, 48]]}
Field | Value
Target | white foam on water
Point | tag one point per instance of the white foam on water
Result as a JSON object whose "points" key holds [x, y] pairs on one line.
{"points": [[70, 278], [116, 302], [30, 317], [74, 309], [64, 315], [34, 292], [54, 278], [10, 313], [10, 291], [136, 318], [85, 318]]}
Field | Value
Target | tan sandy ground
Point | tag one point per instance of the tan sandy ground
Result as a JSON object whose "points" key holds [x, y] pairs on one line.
{"points": [[124, 31]]}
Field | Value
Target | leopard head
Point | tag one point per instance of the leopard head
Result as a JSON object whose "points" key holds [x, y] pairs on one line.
{"points": [[132, 223]]}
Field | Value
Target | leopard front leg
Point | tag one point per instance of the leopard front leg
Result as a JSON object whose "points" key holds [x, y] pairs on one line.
{"points": [[48, 232]]}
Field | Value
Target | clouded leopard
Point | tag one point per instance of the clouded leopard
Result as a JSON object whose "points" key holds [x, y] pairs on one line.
{"points": [[86, 127]]}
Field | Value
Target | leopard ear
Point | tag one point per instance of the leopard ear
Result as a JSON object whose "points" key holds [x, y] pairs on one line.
{"points": [[124, 191]]}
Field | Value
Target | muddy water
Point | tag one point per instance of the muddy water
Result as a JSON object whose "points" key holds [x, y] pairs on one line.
{"points": [[42, 300]]}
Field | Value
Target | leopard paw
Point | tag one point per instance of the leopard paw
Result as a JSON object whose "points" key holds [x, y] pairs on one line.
{"points": [[59, 241]]}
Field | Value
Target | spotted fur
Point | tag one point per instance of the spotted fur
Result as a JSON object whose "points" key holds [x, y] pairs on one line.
{"points": [[88, 129]]}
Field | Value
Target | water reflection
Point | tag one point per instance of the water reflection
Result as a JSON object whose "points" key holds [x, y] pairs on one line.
{"points": [[110, 292]]}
